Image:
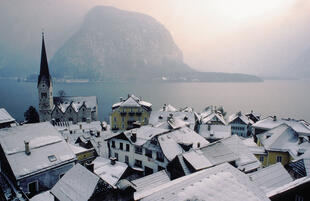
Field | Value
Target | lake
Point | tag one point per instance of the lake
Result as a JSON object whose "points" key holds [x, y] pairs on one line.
{"points": [[289, 98]]}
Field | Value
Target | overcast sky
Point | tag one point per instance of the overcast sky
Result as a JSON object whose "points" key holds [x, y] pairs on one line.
{"points": [[249, 36]]}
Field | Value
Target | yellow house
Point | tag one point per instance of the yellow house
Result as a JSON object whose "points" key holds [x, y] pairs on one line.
{"points": [[126, 112], [282, 144]]}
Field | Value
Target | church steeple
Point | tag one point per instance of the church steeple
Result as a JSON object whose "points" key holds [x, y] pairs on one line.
{"points": [[44, 71]]}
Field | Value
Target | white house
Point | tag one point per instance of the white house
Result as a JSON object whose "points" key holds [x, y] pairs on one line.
{"points": [[34, 156], [150, 149], [240, 124]]}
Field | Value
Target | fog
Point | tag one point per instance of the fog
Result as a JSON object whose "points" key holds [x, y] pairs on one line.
{"points": [[247, 37]]}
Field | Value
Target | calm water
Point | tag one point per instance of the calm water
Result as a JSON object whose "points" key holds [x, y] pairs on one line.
{"points": [[281, 98]]}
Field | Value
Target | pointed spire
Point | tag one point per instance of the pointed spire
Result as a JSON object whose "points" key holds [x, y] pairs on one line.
{"points": [[44, 71]]}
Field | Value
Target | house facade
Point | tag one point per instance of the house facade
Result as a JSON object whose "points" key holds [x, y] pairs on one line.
{"points": [[149, 149], [126, 112], [43, 153], [63, 108], [240, 125]]}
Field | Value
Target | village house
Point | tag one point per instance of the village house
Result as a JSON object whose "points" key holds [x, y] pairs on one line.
{"points": [[300, 167], [86, 136], [300, 126], [230, 150], [240, 124], [78, 184], [222, 182], [128, 112], [149, 149], [168, 117], [254, 117], [213, 116], [271, 177], [62, 108], [6, 120], [34, 156], [282, 144]]}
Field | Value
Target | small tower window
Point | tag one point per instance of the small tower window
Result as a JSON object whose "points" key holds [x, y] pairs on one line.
{"points": [[43, 95]]}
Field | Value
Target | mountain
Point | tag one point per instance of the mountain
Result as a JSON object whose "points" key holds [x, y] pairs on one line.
{"points": [[113, 44]]}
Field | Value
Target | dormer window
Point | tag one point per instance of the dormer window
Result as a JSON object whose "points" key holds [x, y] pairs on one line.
{"points": [[52, 158]]}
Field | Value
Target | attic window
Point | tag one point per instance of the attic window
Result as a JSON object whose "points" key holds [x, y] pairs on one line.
{"points": [[52, 158]]}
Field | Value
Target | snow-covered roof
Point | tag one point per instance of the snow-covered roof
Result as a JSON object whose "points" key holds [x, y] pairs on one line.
{"points": [[45, 196], [77, 184], [132, 101], [171, 142], [151, 181], [271, 177], [216, 131], [77, 149], [210, 155], [289, 186], [282, 138], [160, 119], [255, 149], [246, 160], [143, 134], [5, 117], [242, 117], [300, 126], [222, 182], [226, 150], [76, 102], [168, 108], [48, 148], [214, 116], [108, 172]]}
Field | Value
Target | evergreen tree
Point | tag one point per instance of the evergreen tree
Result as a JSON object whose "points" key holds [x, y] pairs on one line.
{"points": [[31, 115]]}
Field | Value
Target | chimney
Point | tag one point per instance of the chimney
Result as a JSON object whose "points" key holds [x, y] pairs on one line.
{"points": [[164, 108], [209, 126], [121, 99], [198, 145], [274, 118], [133, 136], [112, 160], [27, 148], [66, 139], [80, 126], [90, 166]]}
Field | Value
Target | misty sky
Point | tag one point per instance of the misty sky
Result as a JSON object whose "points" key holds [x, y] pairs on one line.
{"points": [[261, 37]]}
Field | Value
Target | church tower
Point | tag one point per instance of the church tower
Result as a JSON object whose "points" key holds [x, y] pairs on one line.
{"points": [[45, 87]]}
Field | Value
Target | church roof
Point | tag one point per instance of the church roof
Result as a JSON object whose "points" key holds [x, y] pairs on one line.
{"points": [[44, 72]]}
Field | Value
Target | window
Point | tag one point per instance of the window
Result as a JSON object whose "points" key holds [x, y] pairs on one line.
{"points": [[127, 160], [145, 120], [160, 156], [127, 147], [123, 126], [121, 146], [148, 153], [116, 156], [33, 187], [123, 119], [138, 163], [115, 119], [279, 159], [52, 158], [43, 95], [261, 158], [113, 144], [83, 119], [138, 150]]}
